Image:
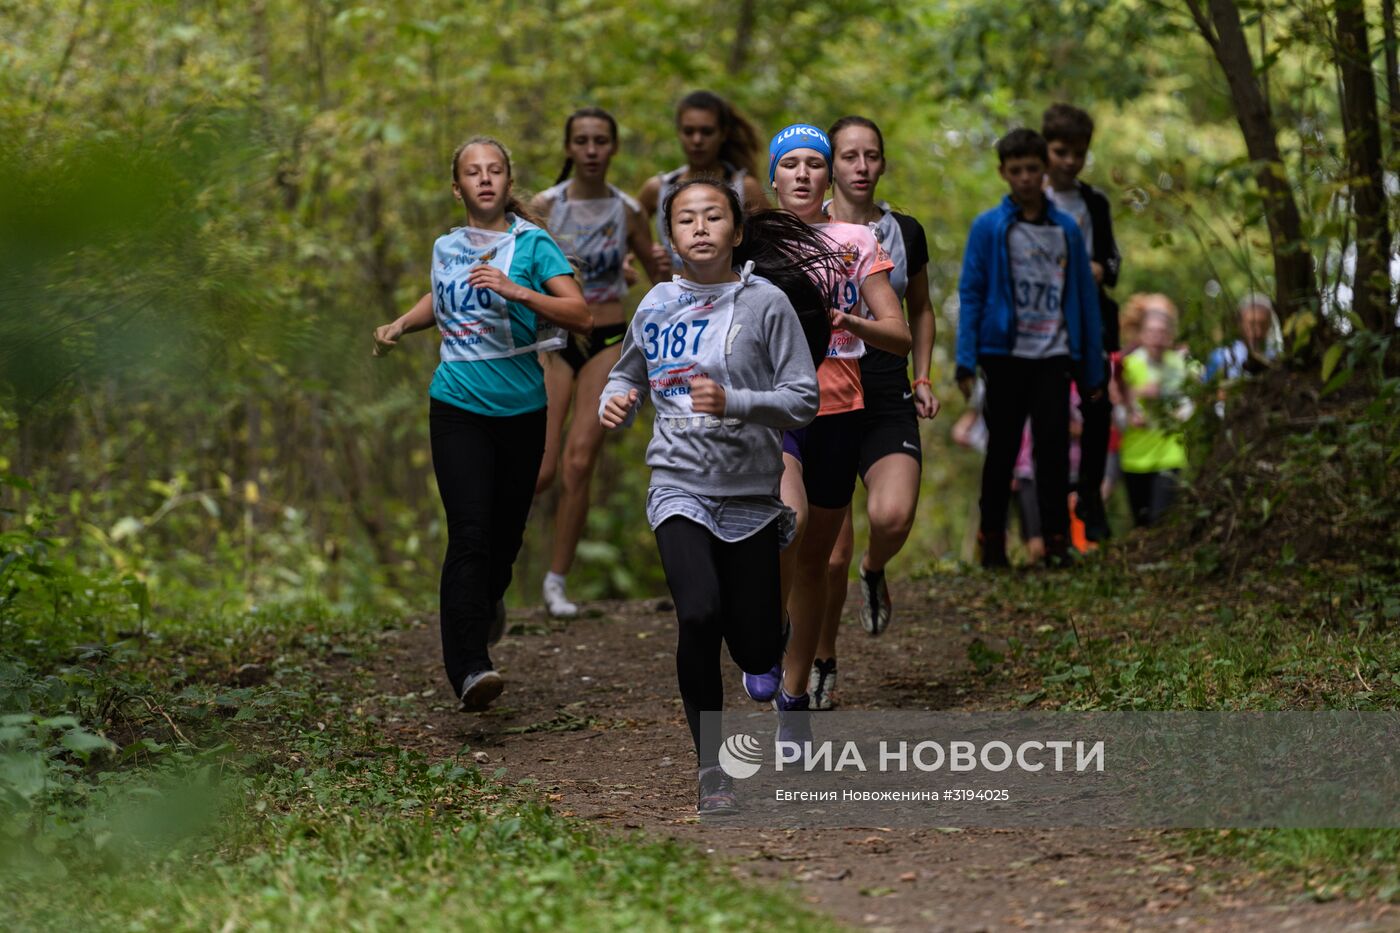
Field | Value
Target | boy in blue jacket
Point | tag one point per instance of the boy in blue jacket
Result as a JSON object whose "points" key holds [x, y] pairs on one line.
{"points": [[1029, 317]]}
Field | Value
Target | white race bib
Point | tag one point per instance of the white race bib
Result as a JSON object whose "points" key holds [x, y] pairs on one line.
{"points": [[844, 295], [475, 322], [1039, 254], [682, 329], [594, 232]]}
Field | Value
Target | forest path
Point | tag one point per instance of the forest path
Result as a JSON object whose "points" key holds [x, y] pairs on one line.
{"points": [[591, 713]]}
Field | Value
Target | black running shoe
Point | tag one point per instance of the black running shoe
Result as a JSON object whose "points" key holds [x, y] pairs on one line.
{"points": [[1058, 554], [993, 551], [479, 689], [716, 794], [875, 607]]}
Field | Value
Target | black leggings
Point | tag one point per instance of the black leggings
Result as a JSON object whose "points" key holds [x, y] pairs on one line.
{"points": [[1016, 389], [1093, 443], [726, 591], [1150, 495], [486, 469]]}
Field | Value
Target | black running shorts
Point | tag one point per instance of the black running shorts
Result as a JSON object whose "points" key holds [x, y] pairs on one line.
{"points": [[889, 424], [829, 449], [579, 350]]}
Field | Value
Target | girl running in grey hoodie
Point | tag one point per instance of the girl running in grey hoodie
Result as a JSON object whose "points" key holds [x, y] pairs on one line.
{"points": [[727, 355]]}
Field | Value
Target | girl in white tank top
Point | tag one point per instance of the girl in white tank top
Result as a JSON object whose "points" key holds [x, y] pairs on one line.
{"points": [[596, 225]]}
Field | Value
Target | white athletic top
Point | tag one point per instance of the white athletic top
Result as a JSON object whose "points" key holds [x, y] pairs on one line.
{"points": [[475, 322], [593, 233]]}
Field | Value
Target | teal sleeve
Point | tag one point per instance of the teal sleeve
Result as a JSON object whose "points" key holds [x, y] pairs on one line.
{"points": [[546, 260]]}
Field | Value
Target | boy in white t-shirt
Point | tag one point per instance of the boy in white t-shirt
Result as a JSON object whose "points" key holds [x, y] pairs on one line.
{"points": [[1028, 316], [1068, 132]]}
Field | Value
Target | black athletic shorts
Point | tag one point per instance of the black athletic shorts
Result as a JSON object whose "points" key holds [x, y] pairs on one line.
{"points": [[580, 349], [829, 448], [890, 423]]}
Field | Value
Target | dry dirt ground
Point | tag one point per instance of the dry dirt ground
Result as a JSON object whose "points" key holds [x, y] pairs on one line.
{"points": [[591, 713]]}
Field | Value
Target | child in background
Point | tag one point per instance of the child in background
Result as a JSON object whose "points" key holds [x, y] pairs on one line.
{"points": [[1155, 402], [1068, 132], [1258, 345], [1029, 318], [596, 224], [1023, 484]]}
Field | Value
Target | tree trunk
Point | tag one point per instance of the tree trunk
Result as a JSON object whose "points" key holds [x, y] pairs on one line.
{"points": [[1392, 76], [1360, 120], [1392, 70], [743, 35], [1296, 284]]}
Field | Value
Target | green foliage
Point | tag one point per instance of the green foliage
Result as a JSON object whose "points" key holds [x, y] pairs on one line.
{"points": [[1325, 864], [1119, 634], [217, 204], [1300, 471], [1160, 637], [48, 601], [207, 207]]}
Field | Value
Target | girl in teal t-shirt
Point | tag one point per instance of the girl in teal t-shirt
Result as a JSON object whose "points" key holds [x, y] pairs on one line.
{"points": [[501, 291]]}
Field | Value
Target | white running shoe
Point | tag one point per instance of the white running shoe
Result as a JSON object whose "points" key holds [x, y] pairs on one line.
{"points": [[822, 684], [554, 599]]}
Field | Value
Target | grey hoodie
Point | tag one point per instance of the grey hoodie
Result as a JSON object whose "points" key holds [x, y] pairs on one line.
{"points": [[772, 387]]}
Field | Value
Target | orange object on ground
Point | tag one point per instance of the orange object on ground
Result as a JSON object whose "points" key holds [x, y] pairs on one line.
{"points": [[1076, 530]]}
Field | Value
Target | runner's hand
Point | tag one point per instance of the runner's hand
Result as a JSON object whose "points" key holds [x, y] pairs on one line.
{"points": [[493, 279], [629, 271], [386, 337], [706, 396], [618, 408], [661, 256], [925, 402], [965, 387]]}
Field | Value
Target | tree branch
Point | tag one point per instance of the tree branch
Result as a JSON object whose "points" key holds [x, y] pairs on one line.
{"points": [[1202, 23]]}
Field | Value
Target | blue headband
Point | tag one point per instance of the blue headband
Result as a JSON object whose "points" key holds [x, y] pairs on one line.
{"points": [[797, 136]]}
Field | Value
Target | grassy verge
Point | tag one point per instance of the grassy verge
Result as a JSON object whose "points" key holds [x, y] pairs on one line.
{"points": [[1119, 633], [171, 758], [136, 794]]}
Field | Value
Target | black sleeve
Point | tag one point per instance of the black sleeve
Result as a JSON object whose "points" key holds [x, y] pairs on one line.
{"points": [[1105, 247], [915, 243]]}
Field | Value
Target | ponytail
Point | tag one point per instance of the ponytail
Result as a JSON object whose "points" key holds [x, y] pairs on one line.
{"points": [[793, 256], [741, 140], [787, 252], [597, 112], [515, 204], [520, 208]]}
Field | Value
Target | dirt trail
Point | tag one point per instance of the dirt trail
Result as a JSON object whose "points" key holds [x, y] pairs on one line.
{"points": [[591, 713]]}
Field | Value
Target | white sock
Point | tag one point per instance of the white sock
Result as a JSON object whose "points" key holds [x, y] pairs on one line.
{"points": [[554, 579]]}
